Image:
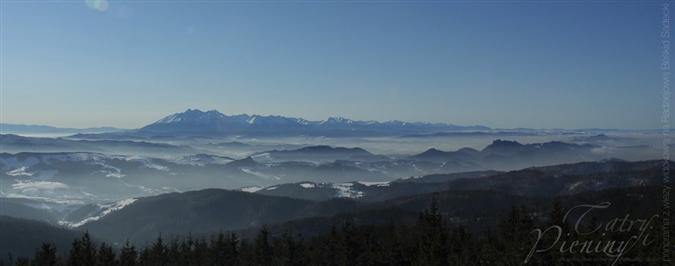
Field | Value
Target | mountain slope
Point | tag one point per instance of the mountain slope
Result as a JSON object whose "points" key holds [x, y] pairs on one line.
{"points": [[476, 210], [22, 237], [203, 211]]}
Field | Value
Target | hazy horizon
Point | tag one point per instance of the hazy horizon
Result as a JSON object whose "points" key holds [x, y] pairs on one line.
{"points": [[315, 120]]}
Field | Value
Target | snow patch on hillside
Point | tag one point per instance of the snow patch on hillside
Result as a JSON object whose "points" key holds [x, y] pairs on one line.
{"points": [[344, 190], [21, 171], [105, 209], [258, 174], [251, 189], [377, 184], [156, 166], [573, 186], [308, 185], [263, 157]]}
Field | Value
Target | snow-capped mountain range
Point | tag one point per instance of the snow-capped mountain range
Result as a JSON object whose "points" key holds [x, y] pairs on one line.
{"points": [[195, 122]]}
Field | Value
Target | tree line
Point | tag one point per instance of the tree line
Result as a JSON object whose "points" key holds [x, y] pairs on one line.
{"points": [[432, 240]]}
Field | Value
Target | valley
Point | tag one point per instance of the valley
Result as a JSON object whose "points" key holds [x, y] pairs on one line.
{"points": [[133, 186]]}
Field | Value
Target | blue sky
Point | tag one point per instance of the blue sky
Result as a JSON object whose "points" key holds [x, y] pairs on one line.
{"points": [[501, 64]]}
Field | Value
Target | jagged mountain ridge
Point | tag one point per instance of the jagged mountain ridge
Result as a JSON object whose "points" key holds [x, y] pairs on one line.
{"points": [[194, 122]]}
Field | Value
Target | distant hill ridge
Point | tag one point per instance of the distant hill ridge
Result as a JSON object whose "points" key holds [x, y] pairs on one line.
{"points": [[7, 128]]}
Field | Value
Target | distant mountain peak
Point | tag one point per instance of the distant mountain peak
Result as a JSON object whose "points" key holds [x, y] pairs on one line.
{"points": [[246, 162], [316, 148], [432, 151], [508, 147], [339, 119], [326, 148], [213, 123], [190, 116], [503, 145]]}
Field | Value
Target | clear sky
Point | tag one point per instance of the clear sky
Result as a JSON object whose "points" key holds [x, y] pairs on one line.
{"points": [[501, 64]]}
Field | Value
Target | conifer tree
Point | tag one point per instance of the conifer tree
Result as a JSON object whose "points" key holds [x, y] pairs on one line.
{"points": [[22, 262], [433, 236], [128, 255], [263, 249], [158, 252], [45, 256], [289, 249], [105, 256], [82, 252]]}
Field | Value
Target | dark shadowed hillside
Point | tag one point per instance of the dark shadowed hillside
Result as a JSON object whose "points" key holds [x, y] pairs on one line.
{"points": [[204, 211], [22, 237]]}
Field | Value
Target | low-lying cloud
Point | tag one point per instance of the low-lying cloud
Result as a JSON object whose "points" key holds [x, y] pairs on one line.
{"points": [[35, 186]]}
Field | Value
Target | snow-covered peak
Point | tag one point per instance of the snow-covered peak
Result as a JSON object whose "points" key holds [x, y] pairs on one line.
{"points": [[192, 115], [338, 120]]}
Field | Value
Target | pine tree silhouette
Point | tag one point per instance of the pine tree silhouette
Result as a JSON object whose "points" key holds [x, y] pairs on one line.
{"points": [[82, 252], [106, 256], [46, 256], [128, 255], [263, 249]]}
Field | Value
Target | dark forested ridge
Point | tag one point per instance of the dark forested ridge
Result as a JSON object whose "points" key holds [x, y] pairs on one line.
{"points": [[22, 236], [433, 239], [477, 211], [204, 212], [475, 201]]}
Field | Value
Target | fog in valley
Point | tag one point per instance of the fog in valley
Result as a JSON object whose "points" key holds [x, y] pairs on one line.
{"points": [[75, 179]]}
